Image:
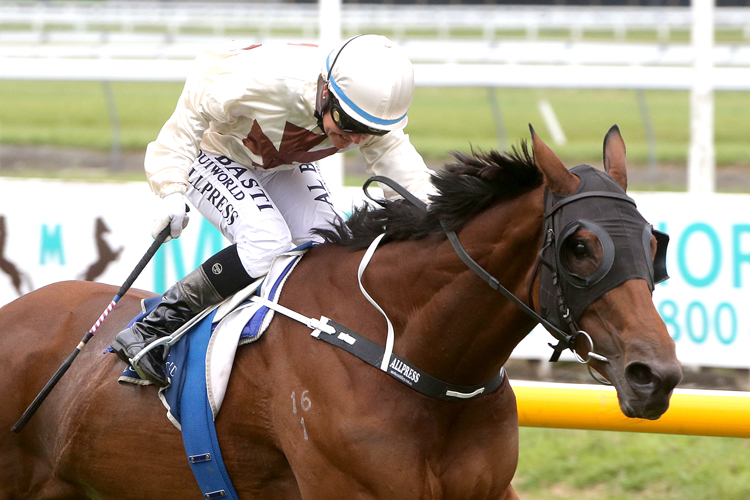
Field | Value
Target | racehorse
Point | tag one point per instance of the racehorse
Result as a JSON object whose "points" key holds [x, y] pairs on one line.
{"points": [[303, 419]]}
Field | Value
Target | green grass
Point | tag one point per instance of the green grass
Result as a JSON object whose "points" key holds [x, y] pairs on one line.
{"points": [[75, 114], [445, 119], [572, 464], [677, 35]]}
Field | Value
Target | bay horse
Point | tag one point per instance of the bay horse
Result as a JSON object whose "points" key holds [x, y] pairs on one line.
{"points": [[305, 420]]}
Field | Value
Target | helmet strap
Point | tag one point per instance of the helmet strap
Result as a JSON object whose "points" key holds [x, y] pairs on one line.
{"points": [[322, 101]]}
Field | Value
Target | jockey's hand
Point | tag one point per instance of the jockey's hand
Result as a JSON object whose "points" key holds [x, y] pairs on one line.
{"points": [[173, 213]]}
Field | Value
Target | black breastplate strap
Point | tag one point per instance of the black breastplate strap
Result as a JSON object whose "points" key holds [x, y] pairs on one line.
{"points": [[372, 353], [402, 370]]}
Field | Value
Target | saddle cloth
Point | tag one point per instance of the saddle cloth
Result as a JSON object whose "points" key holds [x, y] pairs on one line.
{"points": [[236, 321]]}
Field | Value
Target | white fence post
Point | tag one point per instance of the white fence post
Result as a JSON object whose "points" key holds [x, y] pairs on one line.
{"points": [[702, 156]]}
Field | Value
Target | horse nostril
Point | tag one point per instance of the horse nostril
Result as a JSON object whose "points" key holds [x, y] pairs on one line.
{"points": [[641, 375]]}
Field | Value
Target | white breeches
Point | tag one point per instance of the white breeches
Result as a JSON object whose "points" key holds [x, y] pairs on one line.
{"points": [[264, 212]]}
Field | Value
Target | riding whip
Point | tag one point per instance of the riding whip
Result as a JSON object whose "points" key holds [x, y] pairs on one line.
{"points": [[34, 406]]}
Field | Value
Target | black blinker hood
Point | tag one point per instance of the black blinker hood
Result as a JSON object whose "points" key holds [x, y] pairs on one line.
{"points": [[601, 206]]}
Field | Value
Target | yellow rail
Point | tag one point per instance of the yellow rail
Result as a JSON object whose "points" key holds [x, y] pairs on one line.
{"points": [[571, 406]]}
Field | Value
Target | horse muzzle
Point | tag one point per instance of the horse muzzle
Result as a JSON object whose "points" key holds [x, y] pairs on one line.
{"points": [[645, 389]]}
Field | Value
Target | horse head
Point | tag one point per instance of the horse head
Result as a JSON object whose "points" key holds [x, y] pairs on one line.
{"points": [[601, 260]]}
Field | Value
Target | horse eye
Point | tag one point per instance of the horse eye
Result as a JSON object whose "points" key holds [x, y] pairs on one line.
{"points": [[578, 248], [581, 254]]}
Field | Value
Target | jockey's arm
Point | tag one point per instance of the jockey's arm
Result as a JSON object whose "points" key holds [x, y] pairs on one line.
{"points": [[394, 156], [169, 158]]}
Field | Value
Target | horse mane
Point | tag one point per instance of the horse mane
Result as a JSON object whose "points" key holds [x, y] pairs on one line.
{"points": [[464, 188]]}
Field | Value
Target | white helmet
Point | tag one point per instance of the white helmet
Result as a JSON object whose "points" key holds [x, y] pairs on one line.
{"points": [[372, 80]]}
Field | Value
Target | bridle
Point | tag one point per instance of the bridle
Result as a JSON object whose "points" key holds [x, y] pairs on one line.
{"points": [[563, 296]]}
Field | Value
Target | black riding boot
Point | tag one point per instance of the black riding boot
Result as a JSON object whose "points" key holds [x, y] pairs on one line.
{"points": [[184, 300]]}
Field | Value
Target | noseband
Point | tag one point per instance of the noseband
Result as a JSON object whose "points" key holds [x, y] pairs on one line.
{"points": [[600, 206]]}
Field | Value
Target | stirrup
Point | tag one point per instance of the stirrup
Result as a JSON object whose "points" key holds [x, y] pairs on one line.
{"points": [[161, 341]]}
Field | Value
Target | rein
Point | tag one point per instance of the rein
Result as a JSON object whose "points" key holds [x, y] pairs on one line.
{"points": [[565, 340]]}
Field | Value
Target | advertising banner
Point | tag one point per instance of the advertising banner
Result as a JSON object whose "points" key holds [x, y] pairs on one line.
{"points": [[56, 230]]}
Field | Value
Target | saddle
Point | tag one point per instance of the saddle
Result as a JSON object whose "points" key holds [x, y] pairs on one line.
{"points": [[240, 319]]}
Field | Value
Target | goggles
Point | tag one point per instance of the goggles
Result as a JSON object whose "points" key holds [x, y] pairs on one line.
{"points": [[348, 124]]}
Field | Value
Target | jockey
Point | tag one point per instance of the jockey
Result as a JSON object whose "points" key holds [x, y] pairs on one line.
{"points": [[241, 147]]}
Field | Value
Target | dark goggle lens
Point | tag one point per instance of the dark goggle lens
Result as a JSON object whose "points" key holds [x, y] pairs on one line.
{"points": [[350, 126]]}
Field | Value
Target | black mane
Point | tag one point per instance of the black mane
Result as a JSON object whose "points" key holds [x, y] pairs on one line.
{"points": [[465, 188]]}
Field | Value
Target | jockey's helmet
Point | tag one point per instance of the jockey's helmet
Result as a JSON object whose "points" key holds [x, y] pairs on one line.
{"points": [[372, 82]]}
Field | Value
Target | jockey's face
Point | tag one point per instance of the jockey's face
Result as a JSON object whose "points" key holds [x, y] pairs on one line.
{"points": [[339, 138]]}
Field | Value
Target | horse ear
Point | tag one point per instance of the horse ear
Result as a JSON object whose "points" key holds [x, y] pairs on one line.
{"points": [[614, 157], [556, 176]]}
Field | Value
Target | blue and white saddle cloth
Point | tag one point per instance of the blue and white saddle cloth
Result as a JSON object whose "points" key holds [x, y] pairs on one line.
{"points": [[236, 321]]}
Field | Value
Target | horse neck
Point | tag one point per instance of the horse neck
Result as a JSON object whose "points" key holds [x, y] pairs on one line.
{"points": [[448, 321]]}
